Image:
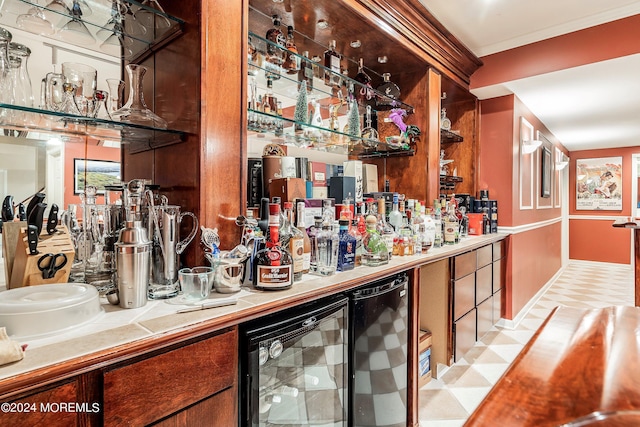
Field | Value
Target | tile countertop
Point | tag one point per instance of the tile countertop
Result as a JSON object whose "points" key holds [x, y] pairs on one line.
{"points": [[117, 326]]}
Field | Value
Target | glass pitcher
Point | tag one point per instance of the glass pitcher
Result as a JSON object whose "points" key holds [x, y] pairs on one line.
{"points": [[164, 231]]}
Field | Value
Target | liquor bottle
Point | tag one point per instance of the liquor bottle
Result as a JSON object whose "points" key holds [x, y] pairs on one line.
{"points": [[327, 244], [296, 242], [269, 101], [332, 64], [306, 243], [374, 249], [386, 231], [429, 235], [395, 217], [273, 266], [306, 71], [451, 226], [313, 232], [275, 49], [292, 60], [347, 247], [437, 221], [263, 222], [364, 92], [354, 231], [391, 92]]}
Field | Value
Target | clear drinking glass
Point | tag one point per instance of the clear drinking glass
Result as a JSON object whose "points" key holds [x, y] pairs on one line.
{"points": [[85, 78], [116, 95], [195, 284]]}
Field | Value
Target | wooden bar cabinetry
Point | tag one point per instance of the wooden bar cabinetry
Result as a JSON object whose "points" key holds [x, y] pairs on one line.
{"points": [[189, 383]]}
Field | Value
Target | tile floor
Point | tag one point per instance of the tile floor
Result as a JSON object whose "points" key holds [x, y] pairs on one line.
{"points": [[449, 400]]}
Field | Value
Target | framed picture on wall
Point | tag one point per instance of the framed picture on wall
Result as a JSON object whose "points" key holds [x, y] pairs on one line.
{"points": [[545, 172], [599, 184], [99, 173]]}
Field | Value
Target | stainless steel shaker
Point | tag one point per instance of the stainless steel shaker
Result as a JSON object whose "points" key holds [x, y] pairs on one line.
{"points": [[133, 263]]}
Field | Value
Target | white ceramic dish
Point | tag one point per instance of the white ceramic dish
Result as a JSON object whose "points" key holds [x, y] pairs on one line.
{"points": [[43, 310]]}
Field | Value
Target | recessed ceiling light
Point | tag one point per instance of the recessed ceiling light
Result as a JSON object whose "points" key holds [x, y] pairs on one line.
{"points": [[355, 44], [322, 24], [383, 59]]}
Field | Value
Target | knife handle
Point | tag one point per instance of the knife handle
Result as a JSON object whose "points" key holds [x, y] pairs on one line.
{"points": [[32, 239], [22, 213], [37, 198], [7, 209], [37, 215], [52, 221]]}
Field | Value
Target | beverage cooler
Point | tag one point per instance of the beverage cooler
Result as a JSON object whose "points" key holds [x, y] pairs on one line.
{"points": [[294, 370], [379, 330]]}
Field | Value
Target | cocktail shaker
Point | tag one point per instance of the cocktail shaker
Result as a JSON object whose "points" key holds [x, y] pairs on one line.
{"points": [[133, 263]]}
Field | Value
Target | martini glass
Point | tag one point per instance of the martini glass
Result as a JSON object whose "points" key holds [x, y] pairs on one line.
{"points": [[75, 31]]}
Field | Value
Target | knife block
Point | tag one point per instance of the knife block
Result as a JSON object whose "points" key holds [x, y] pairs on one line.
{"points": [[25, 271]]}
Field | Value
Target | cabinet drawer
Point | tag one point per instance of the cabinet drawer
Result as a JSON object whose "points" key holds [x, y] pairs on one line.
{"points": [[499, 250], [498, 275], [485, 255], [484, 283], [497, 307], [464, 295], [153, 388], [464, 330], [485, 317], [464, 264]]}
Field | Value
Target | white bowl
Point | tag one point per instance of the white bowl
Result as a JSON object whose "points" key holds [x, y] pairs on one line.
{"points": [[42, 310]]}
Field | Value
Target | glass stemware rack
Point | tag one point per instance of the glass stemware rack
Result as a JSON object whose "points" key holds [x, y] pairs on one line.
{"points": [[281, 127], [139, 30]]}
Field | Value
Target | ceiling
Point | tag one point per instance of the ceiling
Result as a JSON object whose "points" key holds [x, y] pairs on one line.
{"points": [[586, 107]]}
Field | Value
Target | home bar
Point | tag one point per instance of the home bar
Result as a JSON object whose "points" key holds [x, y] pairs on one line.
{"points": [[279, 213]]}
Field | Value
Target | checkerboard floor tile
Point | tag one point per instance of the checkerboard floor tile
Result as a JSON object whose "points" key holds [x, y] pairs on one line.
{"points": [[449, 400]]}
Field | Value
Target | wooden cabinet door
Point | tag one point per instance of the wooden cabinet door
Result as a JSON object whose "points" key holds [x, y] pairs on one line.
{"points": [[43, 409], [151, 389], [464, 264], [219, 410], [484, 283], [464, 330], [485, 317], [485, 255], [464, 295]]}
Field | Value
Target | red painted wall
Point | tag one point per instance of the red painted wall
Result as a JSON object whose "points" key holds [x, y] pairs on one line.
{"points": [[90, 150], [535, 254], [599, 43], [587, 236]]}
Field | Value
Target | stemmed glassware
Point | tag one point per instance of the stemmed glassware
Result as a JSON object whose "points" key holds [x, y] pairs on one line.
{"points": [[35, 21], [150, 19], [75, 31]]}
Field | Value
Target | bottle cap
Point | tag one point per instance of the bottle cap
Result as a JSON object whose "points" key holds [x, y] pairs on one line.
{"points": [[274, 208], [288, 205]]}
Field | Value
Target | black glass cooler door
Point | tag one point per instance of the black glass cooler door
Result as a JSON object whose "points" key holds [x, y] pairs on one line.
{"points": [[296, 369], [380, 326]]}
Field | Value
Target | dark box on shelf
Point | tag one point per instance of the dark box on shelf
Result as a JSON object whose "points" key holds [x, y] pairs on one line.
{"points": [[254, 182], [288, 189], [341, 187]]}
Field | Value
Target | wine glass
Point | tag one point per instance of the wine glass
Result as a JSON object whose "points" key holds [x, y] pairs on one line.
{"points": [[34, 21]]}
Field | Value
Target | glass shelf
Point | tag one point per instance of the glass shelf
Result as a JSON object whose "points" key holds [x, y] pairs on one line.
{"points": [[143, 27], [20, 121], [447, 136], [282, 130], [260, 43]]}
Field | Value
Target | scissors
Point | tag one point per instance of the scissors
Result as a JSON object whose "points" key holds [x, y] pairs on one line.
{"points": [[49, 264]]}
